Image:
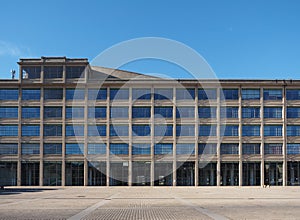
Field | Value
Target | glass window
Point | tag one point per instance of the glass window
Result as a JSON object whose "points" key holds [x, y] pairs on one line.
{"points": [[121, 149], [97, 148], [293, 148], [185, 112], [52, 148], [163, 112], [251, 148], [273, 130], [31, 72], [207, 130], [209, 148], [97, 112], [52, 72], [52, 112], [30, 130], [31, 94], [229, 148], [74, 112], [272, 94], [74, 148], [9, 94], [185, 130], [141, 112], [251, 130], [8, 149], [185, 94], [8, 130], [293, 130], [73, 72], [30, 112], [56, 94], [119, 94], [185, 149], [141, 149], [165, 148], [30, 149], [293, 94], [119, 112], [74, 130], [251, 112], [230, 94], [98, 130], [141, 130], [293, 112], [204, 94], [272, 112], [52, 130], [207, 112], [250, 94], [230, 130], [229, 112], [141, 94], [8, 112], [273, 148], [163, 94], [118, 130], [74, 94], [97, 94], [163, 130]]}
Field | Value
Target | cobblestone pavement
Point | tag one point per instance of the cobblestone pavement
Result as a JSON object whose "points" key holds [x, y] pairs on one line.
{"points": [[150, 203]]}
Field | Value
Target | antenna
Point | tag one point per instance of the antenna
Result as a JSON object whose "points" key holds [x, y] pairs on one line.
{"points": [[13, 73]]}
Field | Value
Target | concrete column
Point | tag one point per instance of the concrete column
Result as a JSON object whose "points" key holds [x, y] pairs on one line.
{"points": [[262, 152], [152, 177], [107, 136], [196, 138], [42, 133], [174, 139], [19, 171], [86, 164], [219, 138], [63, 161], [130, 139], [284, 135], [240, 139]]}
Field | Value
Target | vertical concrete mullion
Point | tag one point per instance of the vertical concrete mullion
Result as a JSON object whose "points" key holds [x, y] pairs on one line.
{"points": [[218, 138], [107, 136], [174, 138], [41, 133], [284, 134], [19, 165], [63, 164], [262, 150], [240, 138], [130, 138], [196, 137], [85, 175], [152, 178]]}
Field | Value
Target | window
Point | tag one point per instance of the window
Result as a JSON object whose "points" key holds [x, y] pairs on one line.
{"points": [[97, 148], [73, 72], [53, 94], [9, 149], [119, 112], [52, 112], [118, 130], [230, 94], [30, 149], [230, 130], [293, 112], [98, 130], [30, 130], [229, 112], [141, 130], [251, 148], [30, 112], [141, 149], [273, 130], [293, 130], [293, 148], [163, 112], [52, 72], [204, 94], [141, 112], [251, 130], [31, 94], [185, 112], [75, 94], [182, 149], [185, 130], [272, 94], [272, 112], [55, 148], [8, 112], [9, 94], [163, 94], [8, 130], [121, 149], [293, 94], [273, 148], [229, 148], [185, 94], [207, 112], [119, 94], [97, 112], [250, 94], [31, 72], [74, 148], [141, 94], [251, 112], [52, 130], [160, 149], [207, 130], [163, 130], [74, 112], [74, 130], [209, 148], [97, 94]]}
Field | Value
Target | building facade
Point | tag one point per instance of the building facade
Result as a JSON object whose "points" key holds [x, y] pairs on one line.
{"points": [[66, 123]]}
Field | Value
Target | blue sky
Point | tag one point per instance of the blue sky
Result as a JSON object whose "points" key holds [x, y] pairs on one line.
{"points": [[239, 39]]}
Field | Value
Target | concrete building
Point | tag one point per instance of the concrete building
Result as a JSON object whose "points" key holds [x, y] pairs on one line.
{"points": [[64, 122]]}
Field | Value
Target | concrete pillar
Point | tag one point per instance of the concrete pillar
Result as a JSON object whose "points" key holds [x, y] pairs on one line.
{"points": [[130, 139], [107, 136], [284, 136], [19, 171], [262, 152], [240, 139], [196, 138], [42, 132], [152, 175], [219, 138], [174, 139], [63, 165], [85, 153]]}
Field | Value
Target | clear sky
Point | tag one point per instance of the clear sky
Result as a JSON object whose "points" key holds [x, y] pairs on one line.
{"points": [[239, 39]]}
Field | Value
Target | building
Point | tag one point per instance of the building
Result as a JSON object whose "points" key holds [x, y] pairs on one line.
{"points": [[58, 126]]}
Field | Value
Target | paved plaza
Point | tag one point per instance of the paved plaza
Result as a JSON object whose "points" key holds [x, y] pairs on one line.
{"points": [[150, 203]]}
